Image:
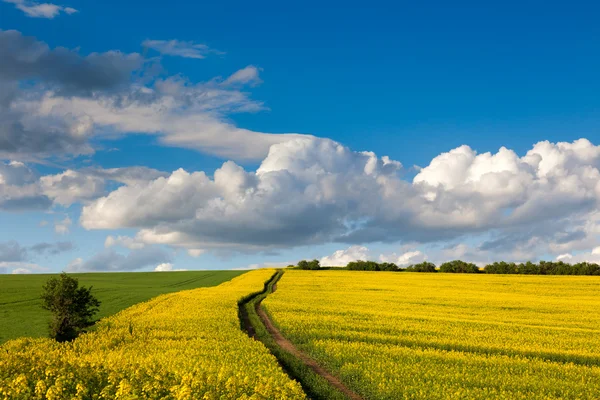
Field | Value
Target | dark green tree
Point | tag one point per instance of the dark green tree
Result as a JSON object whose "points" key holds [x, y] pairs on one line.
{"points": [[459, 267], [422, 267], [72, 307], [311, 265]]}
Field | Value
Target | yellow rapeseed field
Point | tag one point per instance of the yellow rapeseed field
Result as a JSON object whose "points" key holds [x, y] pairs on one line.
{"points": [[185, 345], [397, 335]]}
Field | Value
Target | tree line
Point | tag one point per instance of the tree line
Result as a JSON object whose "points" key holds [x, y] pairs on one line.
{"points": [[462, 267]]}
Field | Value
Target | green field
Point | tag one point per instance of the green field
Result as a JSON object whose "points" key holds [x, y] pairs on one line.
{"points": [[20, 307]]}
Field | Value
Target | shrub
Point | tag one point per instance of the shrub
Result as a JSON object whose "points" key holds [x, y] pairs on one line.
{"points": [[72, 307]]}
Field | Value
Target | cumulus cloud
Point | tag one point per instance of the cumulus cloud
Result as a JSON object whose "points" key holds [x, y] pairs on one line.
{"points": [[76, 98], [19, 189], [71, 186], [404, 259], [40, 10], [22, 189], [126, 175], [342, 257], [111, 261], [592, 256], [311, 190], [165, 267], [180, 48], [52, 72]]}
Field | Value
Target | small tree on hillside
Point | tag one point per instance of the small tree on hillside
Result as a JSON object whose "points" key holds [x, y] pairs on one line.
{"points": [[72, 307]]}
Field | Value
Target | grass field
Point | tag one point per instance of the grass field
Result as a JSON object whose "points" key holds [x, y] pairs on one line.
{"points": [[441, 336], [20, 307]]}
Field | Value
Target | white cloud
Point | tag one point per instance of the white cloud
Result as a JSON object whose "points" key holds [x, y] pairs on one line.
{"points": [[62, 227], [245, 76], [351, 196], [313, 190], [196, 252], [20, 271], [180, 48], [71, 187], [404, 259], [123, 241], [592, 256], [19, 189], [40, 10], [342, 257], [164, 267], [109, 260]]}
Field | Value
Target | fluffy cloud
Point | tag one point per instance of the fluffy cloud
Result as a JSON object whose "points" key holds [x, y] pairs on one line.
{"points": [[404, 259], [40, 10], [19, 189], [76, 98], [71, 186], [342, 257], [111, 261], [180, 48], [592, 256], [311, 190], [22, 189], [123, 241], [53, 72], [166, 267]]}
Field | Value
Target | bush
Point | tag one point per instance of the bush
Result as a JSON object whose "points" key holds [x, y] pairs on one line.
{"points": [[459, 267], [72, 307], [422, 267]]}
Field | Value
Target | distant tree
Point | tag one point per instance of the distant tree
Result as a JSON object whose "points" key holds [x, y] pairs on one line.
{"points": [[422, 267], [72, 307], [388, 267], [501, 267], [459, 267], [361, 265], [309, 265]]}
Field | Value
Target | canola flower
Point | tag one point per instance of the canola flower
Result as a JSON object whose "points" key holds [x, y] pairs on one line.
{"points": [[186, 345], [391, 335]]}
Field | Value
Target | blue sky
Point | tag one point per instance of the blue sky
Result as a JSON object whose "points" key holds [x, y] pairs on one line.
{"points": [[403, 80]]}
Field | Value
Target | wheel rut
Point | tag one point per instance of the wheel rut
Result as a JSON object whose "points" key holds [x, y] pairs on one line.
{"points": [[289, 347]]}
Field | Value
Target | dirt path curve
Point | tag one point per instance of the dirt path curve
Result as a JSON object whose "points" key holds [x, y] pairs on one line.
{"points": [[290, 348]]}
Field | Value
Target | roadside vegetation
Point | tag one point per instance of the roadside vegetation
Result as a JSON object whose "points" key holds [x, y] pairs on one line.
{"points": [[437, 336]]}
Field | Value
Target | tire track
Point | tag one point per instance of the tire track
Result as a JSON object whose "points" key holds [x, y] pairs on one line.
{"points": [[289, 347]]}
